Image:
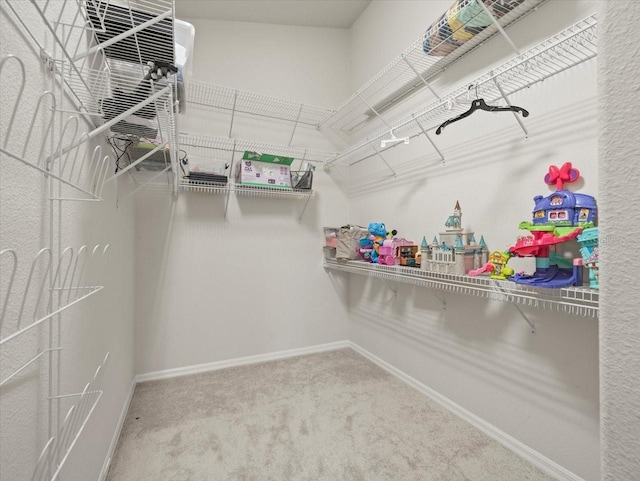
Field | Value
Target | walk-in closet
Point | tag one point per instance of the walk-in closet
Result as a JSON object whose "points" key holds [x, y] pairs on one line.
{"points": [[377, 240]]}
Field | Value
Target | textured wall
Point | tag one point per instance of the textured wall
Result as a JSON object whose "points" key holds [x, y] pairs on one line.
{"points": [[210, 289], [619, 123], [541, 389]]}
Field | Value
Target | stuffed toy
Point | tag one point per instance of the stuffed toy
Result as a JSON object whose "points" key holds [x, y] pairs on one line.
{"points": [[377, 234]]}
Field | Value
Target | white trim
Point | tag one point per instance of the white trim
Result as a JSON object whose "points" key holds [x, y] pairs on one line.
{"points": [[116, 435], [542, 462], [240, 361]]}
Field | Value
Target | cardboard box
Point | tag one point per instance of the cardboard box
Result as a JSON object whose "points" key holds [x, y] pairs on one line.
{"points": [[264, 170]]}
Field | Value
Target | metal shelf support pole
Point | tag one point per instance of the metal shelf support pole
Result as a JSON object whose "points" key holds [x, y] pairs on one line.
{"points": [[375, 112], [233, 111], [295, 126], [226, 202], [383, 159], [499, 27], [304, 208], [506, 99], [420, 77], [429, 139]]}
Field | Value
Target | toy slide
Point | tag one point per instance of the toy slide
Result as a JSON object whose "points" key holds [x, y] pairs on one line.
{"points": [[542, 240], [488, 267]]}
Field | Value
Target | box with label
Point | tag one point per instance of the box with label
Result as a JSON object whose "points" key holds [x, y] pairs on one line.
{"points": [[264, 170]]}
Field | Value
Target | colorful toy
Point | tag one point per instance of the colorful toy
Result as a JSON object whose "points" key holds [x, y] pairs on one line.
{"points": [[377, 235], [457, 251], [589, 250], [557, 218], [408, 255], [389, 252], [497, 266]]}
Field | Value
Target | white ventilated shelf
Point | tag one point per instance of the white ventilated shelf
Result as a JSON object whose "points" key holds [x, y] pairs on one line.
{"points": [[245, 190], [243, 102], [230, 151], [579, 301], [563, 51], [409, 73]]}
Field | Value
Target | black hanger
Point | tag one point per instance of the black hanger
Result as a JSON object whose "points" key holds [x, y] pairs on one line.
{"points": [[480, 104]]}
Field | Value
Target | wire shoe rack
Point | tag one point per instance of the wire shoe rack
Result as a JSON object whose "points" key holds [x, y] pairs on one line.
{"points": [[93, 54], [57, 449]]}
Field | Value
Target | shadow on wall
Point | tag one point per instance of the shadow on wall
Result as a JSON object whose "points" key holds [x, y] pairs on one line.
{"points": [[488, 341]]}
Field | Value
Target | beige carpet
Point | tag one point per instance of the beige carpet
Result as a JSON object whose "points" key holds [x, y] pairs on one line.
{"points": [[330, 416]]}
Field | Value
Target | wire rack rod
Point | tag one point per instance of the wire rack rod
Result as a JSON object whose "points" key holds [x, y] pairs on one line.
{"points": [[234, 100], [57, 450], [408, 73], [569, 48], [578, 301], [76, 273]]}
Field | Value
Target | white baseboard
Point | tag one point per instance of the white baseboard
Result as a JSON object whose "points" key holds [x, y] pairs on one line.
{"points": [[116, 434], [240, 361], [541, 462]]}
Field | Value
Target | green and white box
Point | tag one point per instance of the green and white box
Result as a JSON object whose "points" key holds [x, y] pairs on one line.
{"points": [[264, 170]]}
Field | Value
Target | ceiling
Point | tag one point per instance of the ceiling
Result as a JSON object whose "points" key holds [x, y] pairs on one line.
{"points": [[308, 13]]}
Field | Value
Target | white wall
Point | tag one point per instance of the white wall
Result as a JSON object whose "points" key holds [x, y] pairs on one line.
{"points": [[619, 305], [210, 289], [541, 389], [100, 324]]}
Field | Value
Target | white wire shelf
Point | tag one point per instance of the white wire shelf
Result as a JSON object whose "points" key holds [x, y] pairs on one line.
{"points": [[57, 450], [243, 102], [569, 48], [51, 286], [245, 190], [579, 301], [412, 70]]}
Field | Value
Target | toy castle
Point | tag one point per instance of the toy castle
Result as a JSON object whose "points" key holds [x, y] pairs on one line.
{"points": [[457, 251]]}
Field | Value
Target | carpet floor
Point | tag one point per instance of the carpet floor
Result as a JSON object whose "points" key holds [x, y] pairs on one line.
{"points": [[329, 416]]}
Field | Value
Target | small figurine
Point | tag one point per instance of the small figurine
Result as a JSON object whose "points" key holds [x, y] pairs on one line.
{"points": [[497, 266]]}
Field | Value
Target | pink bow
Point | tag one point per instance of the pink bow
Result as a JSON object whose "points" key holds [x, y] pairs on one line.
{"points": [[559, 176]]}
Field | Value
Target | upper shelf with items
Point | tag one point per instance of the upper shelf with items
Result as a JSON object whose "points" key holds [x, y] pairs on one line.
{"points": [[464, 26], [206, 157], [567, 49]]}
